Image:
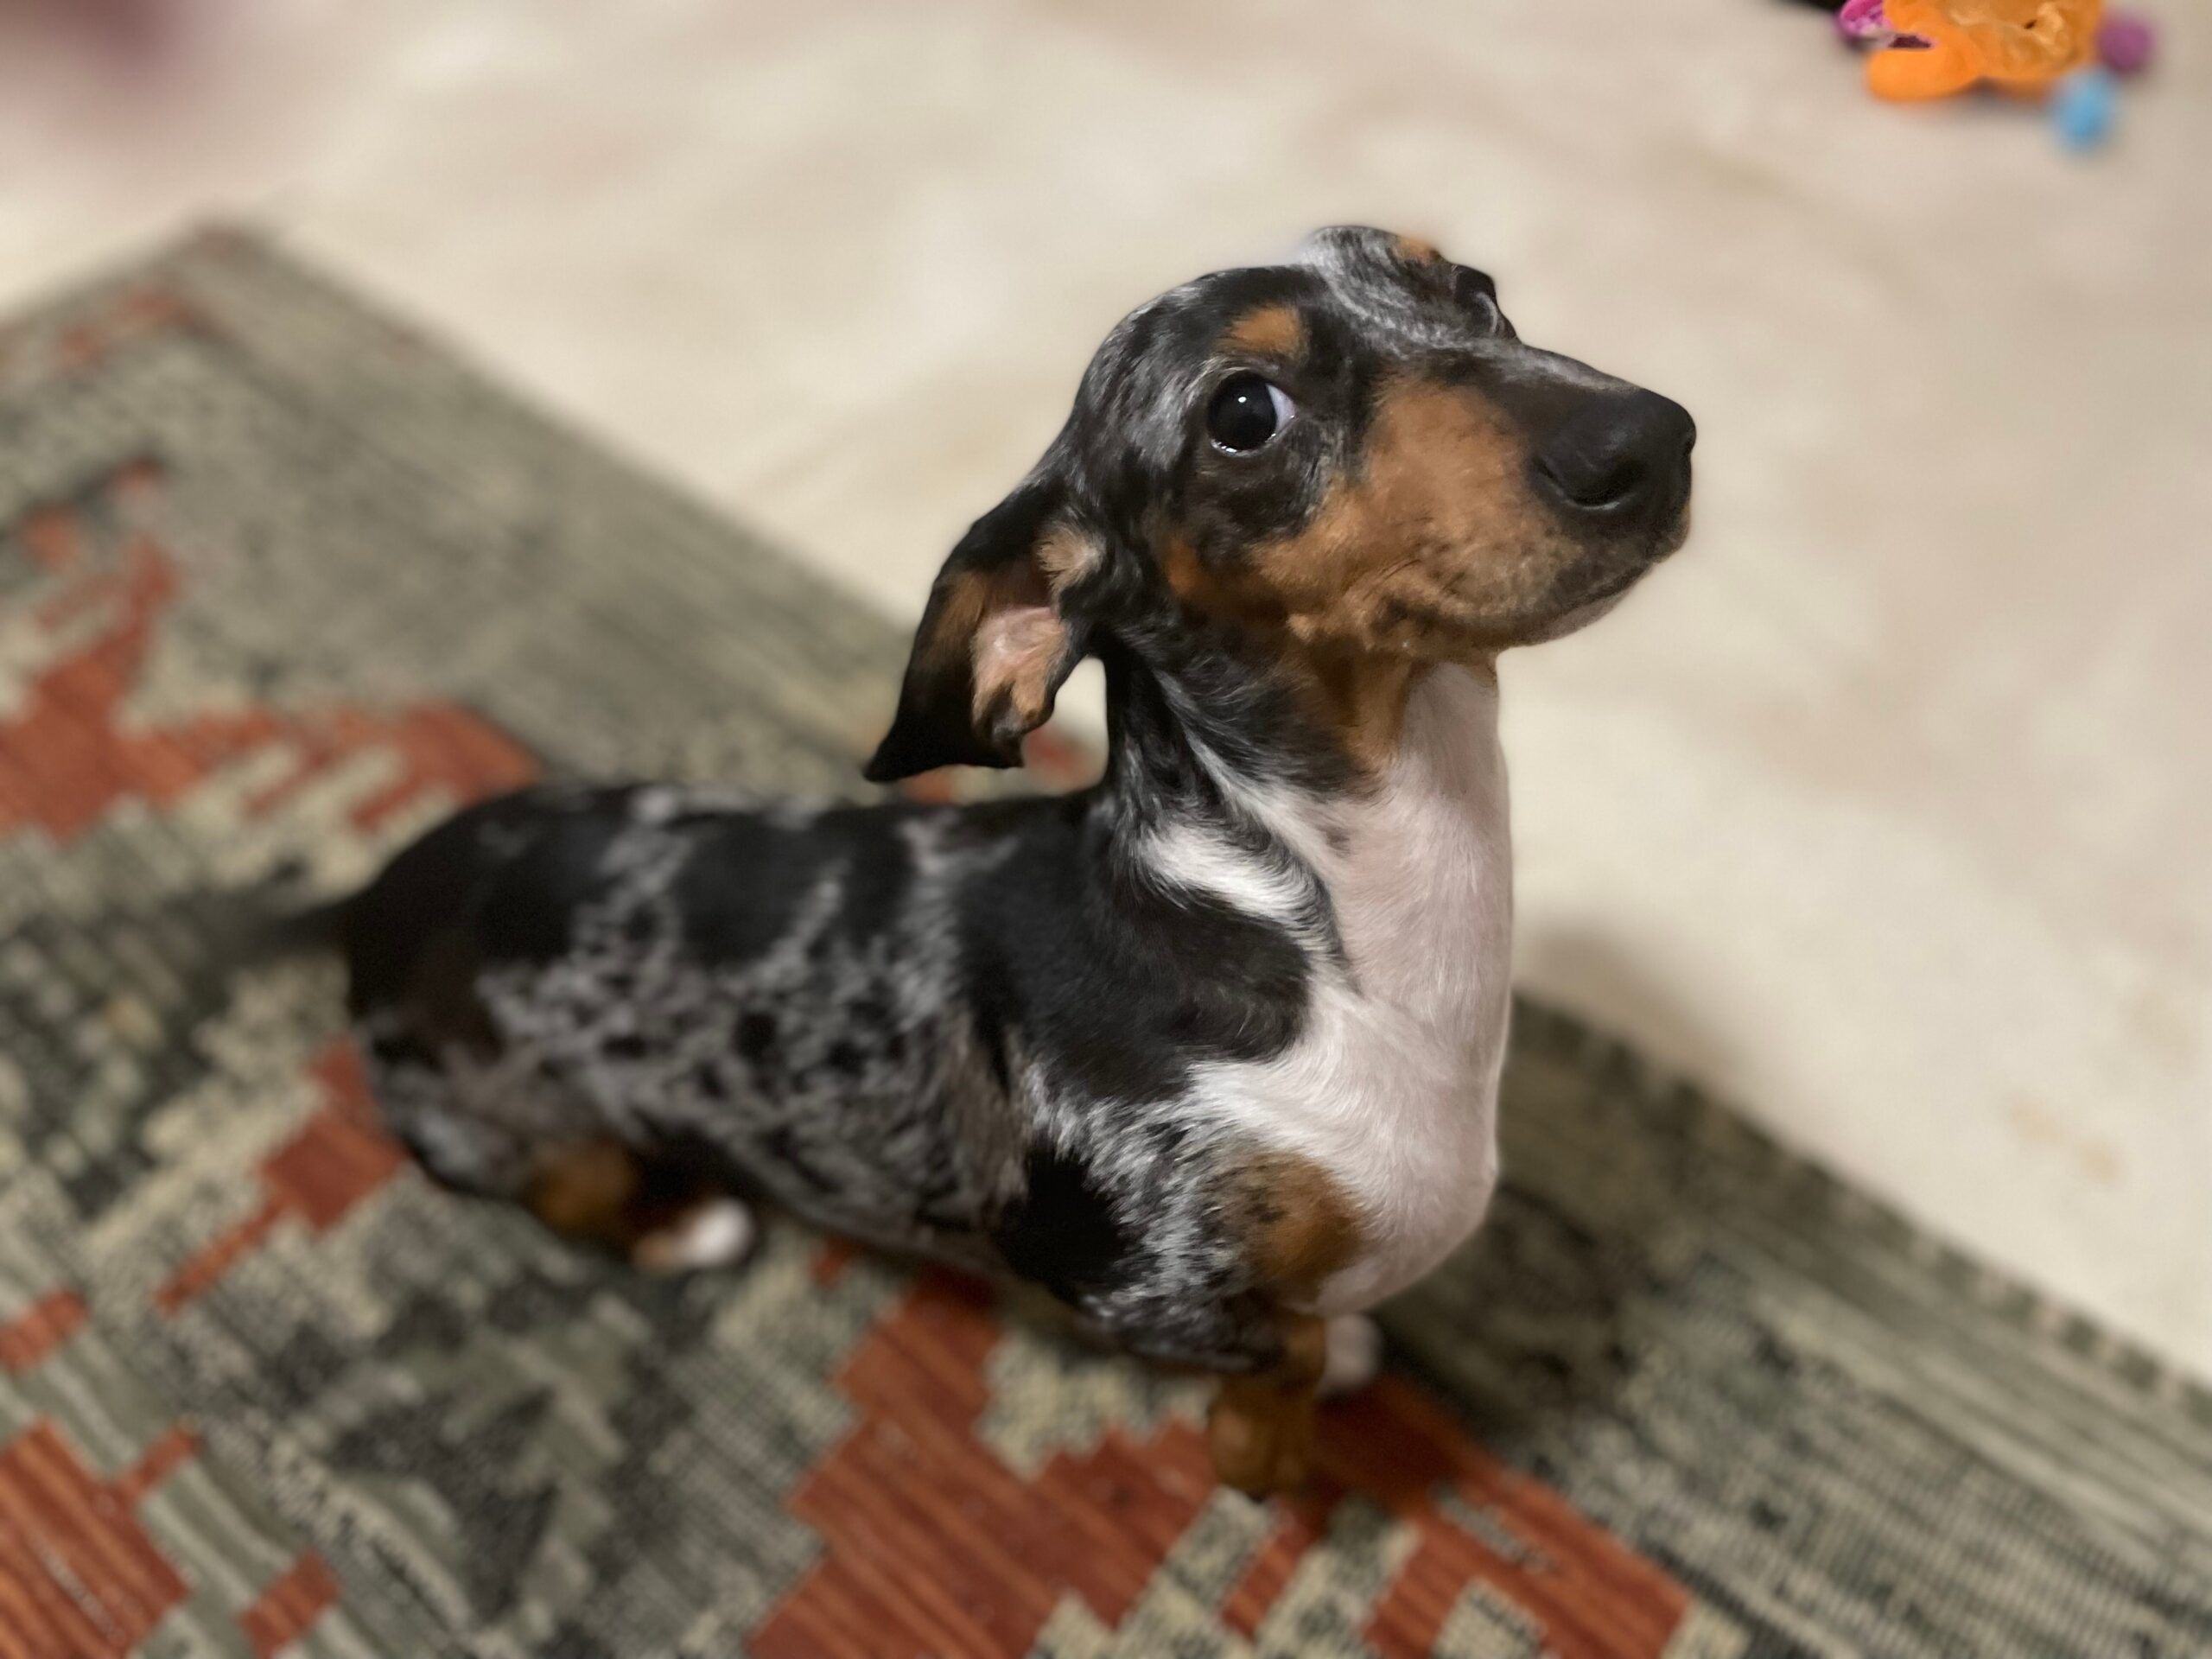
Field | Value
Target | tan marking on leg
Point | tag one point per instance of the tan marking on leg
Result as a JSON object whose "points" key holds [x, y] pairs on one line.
{"points": [[1271, 331], [586, 1191], [600, 1192], [1260, 1431], [1298, 1229]]}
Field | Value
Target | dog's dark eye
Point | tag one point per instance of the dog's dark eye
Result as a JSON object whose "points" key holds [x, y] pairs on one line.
{"points": [[1248, 410]]}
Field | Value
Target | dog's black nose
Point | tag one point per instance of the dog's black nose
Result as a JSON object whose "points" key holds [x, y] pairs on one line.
{"points": [[1618, 454]]}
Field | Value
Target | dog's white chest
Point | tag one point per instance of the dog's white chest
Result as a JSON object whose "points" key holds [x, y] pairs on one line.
{"points": [[1393, 1087]]}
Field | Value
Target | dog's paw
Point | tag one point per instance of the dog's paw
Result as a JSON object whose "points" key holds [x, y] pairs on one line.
{"points": [[1354, 1354], [715, 1234], [1261, 1439]]}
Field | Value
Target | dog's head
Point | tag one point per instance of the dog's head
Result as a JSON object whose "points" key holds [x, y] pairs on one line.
{"points": [[1349, 461]]}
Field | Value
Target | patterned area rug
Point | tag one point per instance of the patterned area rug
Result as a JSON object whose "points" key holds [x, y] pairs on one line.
{"points": [[279, 584]]}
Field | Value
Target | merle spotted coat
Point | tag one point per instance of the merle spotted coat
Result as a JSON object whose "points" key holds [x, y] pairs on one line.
{"points": [[1208, 1051]]}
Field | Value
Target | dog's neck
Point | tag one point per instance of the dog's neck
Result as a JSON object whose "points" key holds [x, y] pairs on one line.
{"points": [[1219, 783]]}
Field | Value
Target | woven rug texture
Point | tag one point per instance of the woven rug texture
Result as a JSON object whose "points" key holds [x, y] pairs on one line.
{"points": [[281, 583]]}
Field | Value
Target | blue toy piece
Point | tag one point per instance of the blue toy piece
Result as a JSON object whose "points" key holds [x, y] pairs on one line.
{"points": [[2083, 106]]}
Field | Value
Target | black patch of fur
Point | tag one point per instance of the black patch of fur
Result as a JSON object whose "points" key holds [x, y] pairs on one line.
{"points": [[528, 899], [782, 1145], [499, 882], [757, 1037], [1113, 988], [1062, 1232], [740, 886]]}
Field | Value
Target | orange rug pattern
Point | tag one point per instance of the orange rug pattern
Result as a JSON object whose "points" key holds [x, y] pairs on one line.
{"points": [[280, 584]]}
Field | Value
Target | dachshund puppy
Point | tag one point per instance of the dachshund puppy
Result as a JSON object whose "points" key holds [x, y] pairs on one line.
{"points": [[1208, 1051]]}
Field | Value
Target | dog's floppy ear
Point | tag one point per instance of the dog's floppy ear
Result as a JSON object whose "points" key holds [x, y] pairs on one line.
{"points": [[995, 642]]}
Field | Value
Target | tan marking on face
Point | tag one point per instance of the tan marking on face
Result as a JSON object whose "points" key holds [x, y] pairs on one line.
{"points": [[1298, 1228], [1210, 593], [1360, 695], [1364, 699], [1431, 549], [1434, 550], [1418, 251], [1271, 331]]}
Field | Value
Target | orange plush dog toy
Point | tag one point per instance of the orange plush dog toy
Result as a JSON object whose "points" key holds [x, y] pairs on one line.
{"points": [[2018, 44]]}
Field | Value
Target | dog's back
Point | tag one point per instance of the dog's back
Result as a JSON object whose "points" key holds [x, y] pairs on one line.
{"points": [[769, 993]]}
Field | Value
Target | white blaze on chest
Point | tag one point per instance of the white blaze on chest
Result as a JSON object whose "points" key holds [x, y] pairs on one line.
{"points": [[1392, 1088]]}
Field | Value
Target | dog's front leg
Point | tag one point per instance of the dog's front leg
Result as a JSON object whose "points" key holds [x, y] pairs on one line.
{"points": [[1271, 1362], [1261, 1429]]}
